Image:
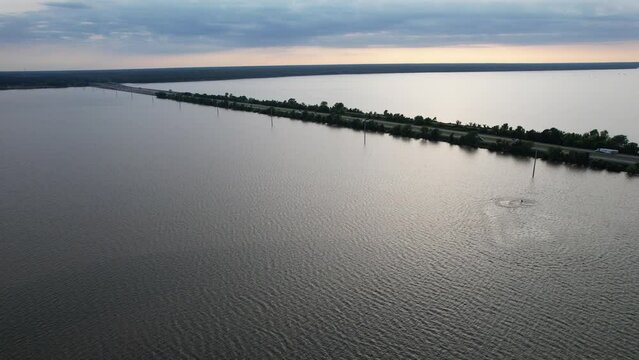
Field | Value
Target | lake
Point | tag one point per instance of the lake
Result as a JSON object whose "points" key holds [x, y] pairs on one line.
{"points": [[133, 227], [575, 101]]}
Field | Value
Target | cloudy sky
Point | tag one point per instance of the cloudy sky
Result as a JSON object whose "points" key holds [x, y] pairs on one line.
{"points": [[119, 33]]}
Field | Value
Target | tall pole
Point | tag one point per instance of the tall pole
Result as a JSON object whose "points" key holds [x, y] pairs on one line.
{"points": [[364, 132], [534, 164]]}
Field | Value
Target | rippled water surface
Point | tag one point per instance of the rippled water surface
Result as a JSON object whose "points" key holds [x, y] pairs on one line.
{"points": [[133, 228], [576, 101]]}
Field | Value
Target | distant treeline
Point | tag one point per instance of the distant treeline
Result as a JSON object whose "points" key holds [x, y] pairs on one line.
{"points": [[590, 140], [35, 79], [519, 140]]}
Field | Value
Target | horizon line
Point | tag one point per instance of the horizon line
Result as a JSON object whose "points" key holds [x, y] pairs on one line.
{"points": [[579, 63]]}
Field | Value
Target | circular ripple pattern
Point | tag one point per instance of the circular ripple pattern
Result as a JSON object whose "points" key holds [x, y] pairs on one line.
{"points": [[512, 203], [133, 229]]}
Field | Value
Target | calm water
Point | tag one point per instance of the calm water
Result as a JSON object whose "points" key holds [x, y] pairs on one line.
{"points": [[577, 101], [135, 229]]}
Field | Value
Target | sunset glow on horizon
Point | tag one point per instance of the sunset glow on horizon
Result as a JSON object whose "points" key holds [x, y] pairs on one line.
{"points": [[107, 34]]}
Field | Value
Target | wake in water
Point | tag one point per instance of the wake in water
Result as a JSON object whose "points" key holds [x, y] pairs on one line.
{"points": [[512, 203]]}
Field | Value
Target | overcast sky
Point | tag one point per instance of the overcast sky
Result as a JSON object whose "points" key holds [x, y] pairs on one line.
{"points": [[119, 33]]}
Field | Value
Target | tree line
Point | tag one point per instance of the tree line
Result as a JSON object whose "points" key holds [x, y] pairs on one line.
{"points": [[421, 127]]}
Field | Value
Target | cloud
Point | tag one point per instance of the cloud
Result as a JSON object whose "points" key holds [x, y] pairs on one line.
{"points": [[194, 26], [16, 7], [66, 5]]}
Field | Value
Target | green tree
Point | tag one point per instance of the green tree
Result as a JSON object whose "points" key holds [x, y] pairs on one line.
{"points": [[406, 130], [631, 148], [618, 141], [396, 130], [424, 132], [578, 157], [555, 154], [435, 134], [520, 132], [471, 138], [338, 108]]}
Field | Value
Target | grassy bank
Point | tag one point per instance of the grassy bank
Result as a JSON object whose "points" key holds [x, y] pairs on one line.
{"points": [[561, 147]]}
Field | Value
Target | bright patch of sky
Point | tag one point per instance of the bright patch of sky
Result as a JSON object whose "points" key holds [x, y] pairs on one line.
{"points": [[168, 28]]}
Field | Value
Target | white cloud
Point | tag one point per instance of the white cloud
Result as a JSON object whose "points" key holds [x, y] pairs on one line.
{"points": [[19, 6], [195, 26]]}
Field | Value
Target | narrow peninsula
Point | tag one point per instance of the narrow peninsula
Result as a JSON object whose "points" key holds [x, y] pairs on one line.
{"points": [[595, 149]]}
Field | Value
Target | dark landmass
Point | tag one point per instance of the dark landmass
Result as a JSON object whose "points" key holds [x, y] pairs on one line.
{"points": [[71, 78], [551, 144]]}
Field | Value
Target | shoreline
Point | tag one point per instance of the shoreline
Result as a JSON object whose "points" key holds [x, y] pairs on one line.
{"points": [[12, 80], [428, 129]]}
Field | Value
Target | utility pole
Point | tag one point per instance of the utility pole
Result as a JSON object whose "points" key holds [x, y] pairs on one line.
{"points": [[534, 164], [365, 132]]}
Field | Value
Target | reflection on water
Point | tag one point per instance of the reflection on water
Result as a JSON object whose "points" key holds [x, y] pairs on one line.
{"points": [[134, 228], [567, 100]]}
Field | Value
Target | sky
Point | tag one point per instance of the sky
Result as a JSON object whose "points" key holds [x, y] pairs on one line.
{"points": [[104, 34]]}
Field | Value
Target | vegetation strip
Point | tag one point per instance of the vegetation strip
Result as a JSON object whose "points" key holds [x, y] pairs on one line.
{"points": [[68, 78], [559, 146]]}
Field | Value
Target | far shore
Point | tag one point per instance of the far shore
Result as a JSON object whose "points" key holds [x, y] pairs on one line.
{"points": [[77, 78]]}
